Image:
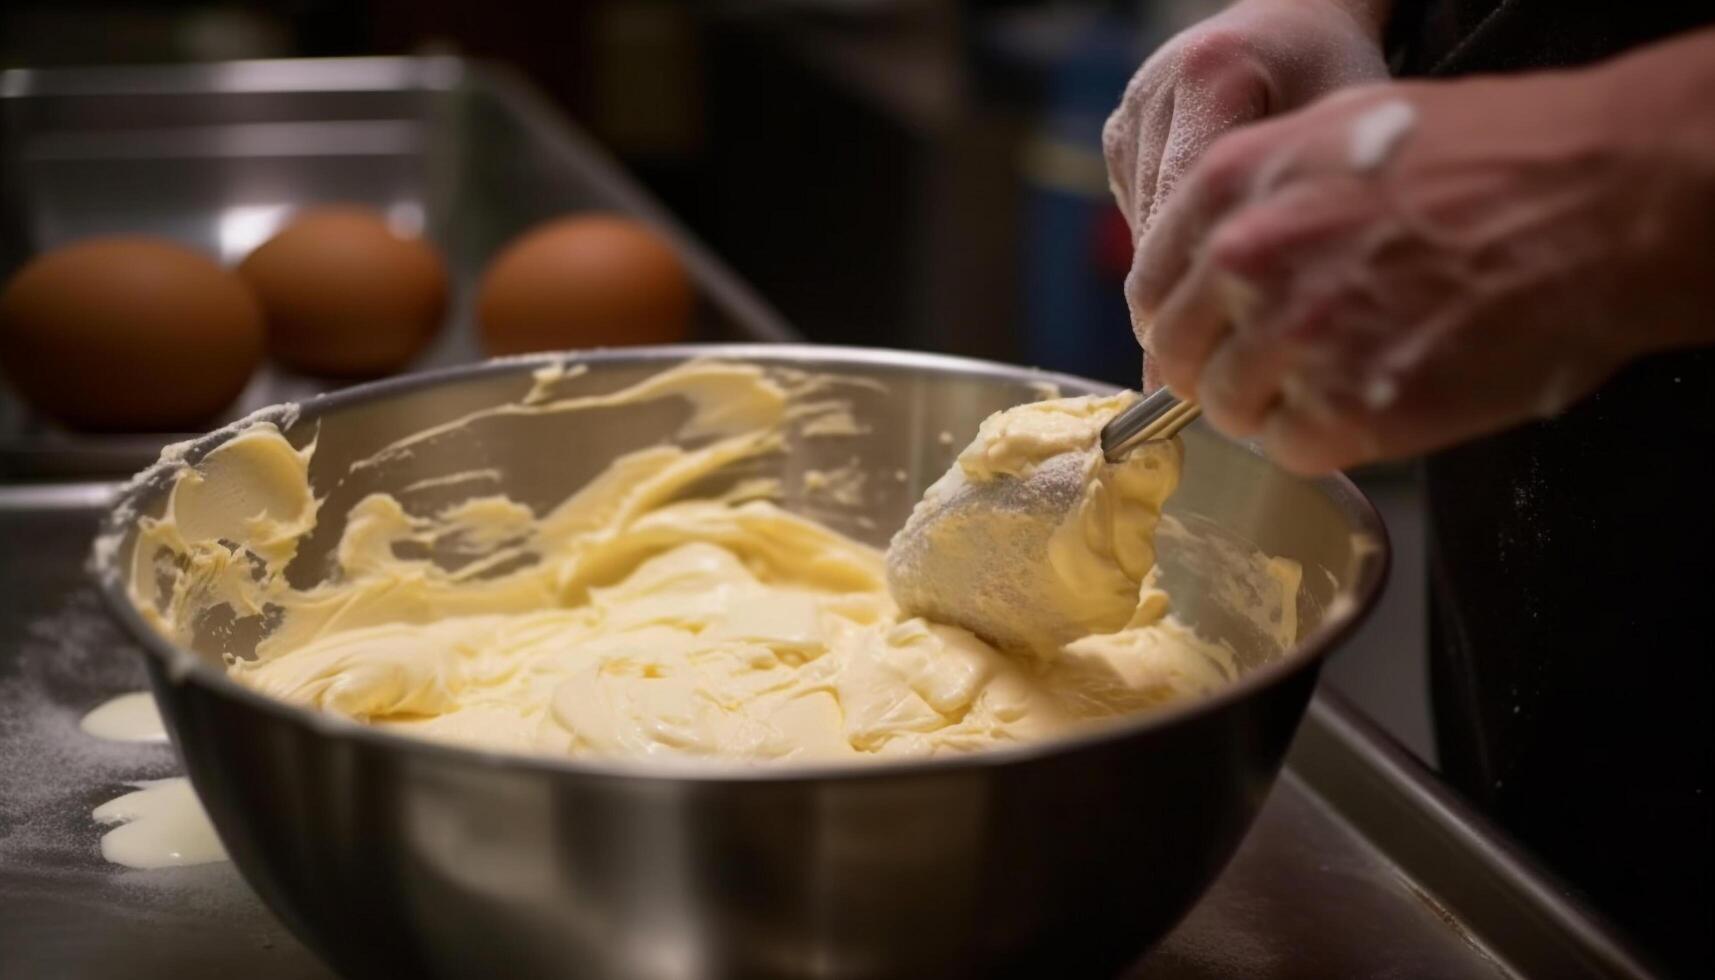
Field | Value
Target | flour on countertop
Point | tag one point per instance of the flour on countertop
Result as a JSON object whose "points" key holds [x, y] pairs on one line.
{"points": [[53, 773]]}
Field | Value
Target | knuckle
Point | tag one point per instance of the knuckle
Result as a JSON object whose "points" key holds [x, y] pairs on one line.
{"points": [[1140, 289], [1210, 54], [1140, 92], [1119, 146], [1114, 134], [1238, 96]]}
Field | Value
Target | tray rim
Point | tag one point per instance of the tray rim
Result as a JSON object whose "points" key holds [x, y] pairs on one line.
{"points": [[61, 454], [1507, 902]]}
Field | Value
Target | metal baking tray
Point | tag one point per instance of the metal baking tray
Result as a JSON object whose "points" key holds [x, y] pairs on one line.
{"points": [[1360, 865], [216, 156]]}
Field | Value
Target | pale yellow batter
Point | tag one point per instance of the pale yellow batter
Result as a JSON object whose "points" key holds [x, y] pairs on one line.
{"points": [[1036, 541], [159, 823], [628, 621]]}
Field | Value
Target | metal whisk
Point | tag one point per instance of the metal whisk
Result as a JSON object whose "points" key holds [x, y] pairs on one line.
{"points": [[1156, 416]]}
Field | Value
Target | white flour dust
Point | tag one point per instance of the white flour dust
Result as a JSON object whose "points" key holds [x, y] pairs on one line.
{"points": [[53, 774]]}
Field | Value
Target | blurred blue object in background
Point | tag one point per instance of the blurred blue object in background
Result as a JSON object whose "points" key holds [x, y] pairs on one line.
{"points": [[1076, 247]]}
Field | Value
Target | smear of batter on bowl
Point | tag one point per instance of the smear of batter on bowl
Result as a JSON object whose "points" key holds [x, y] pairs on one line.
{"points": [[634, 618]]}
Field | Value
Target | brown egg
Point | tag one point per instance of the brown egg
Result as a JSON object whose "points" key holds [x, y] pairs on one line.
{"points": [[128, 334], [593, 280], [346, 296]]}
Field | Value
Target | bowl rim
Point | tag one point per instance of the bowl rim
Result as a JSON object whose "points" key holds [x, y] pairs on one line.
{"points": [[181, 666]]}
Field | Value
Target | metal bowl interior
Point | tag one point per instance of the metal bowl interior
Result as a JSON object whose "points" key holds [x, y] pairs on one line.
{"points": [[287, 786]]}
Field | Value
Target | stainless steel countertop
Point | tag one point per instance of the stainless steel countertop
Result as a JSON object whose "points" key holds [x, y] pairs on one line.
{"points": [[1318, 890]]}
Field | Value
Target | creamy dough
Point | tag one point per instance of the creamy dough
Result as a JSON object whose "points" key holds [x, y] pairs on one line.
{"points": [[628, 621], [1033, 539]]}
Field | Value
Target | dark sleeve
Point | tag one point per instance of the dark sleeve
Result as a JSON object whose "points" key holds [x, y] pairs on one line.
{"points": [[1462, 37], [1403, 39]]}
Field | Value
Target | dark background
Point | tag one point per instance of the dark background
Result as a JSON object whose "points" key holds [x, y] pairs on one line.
{"points": [[915, 173]]}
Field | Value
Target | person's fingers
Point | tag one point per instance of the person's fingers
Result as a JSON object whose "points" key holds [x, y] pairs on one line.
{"points": [[1131, 146], [1241, 382], [1146, 170], [1119, 146], [1314, 441], [1164, 253], [1258, 255], [1230, 164], [1203, 112], [1458, 395], [1187, 329], [1342, 431], [1196, 113], [1152, 379], [1273, 234]]}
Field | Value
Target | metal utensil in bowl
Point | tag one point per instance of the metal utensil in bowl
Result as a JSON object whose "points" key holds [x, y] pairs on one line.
{"points": [[1158, 415], [392, 856]]}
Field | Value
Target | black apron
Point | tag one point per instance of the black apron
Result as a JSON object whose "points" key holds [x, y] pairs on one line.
{"points": [[1572, 571]]}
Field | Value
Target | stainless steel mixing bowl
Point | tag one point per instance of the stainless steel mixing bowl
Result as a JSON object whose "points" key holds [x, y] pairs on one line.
{"points": [[394, 857]]}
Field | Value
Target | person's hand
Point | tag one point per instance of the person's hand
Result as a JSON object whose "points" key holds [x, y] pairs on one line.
{"points": [[1255, 59], [1401, 267]]}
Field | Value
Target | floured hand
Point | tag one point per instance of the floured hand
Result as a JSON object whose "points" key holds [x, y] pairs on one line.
{"points": [[1256, 59], [1401, 267]]}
